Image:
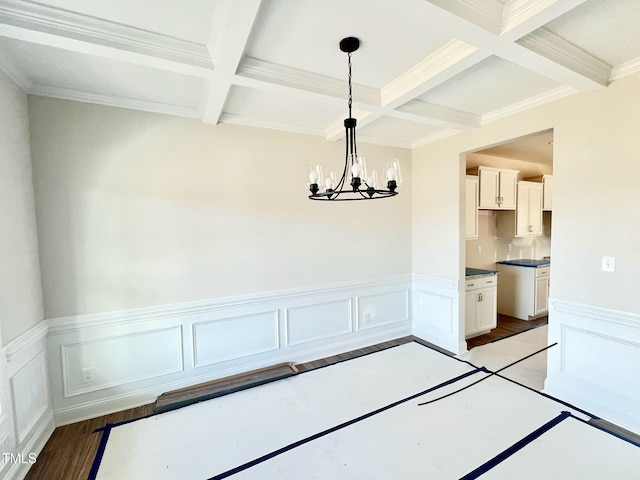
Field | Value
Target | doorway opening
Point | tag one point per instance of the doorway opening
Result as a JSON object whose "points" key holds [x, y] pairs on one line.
{"points": [[508, 217]]}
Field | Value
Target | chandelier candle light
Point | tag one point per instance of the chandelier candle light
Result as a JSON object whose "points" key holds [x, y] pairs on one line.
{"points": [[362, 186]]}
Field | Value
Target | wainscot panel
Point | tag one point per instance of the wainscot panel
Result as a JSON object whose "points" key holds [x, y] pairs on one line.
{"points": [[317, 322], [595, 363], [120, 359], [435, 312], [383, 309], [26, 404], [219, 340], [135, 355]]}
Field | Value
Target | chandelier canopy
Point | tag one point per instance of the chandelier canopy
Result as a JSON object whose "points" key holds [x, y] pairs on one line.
{"points": [[362, 185]]}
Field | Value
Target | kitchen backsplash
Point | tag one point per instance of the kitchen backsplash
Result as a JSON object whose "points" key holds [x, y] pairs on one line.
{"points": [[494, 249]]}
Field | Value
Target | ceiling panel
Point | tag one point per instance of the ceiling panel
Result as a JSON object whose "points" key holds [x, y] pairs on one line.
{"points": [[488, 86], [607, 29], [305, 35]]}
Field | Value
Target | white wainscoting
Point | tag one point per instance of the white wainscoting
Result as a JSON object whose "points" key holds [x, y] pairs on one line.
{"points": [[135, 355], [436, 309], [26, 400], [595, 365]]}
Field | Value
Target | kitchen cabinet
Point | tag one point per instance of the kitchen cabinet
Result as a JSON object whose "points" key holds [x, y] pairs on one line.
{"points": [[497, 188], [524, 290], [547, 190], [526, 221], [480, 305], [471, 207]]}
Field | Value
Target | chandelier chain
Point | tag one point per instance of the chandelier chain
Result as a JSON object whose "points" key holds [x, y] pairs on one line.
{"points": [[350, 93]]}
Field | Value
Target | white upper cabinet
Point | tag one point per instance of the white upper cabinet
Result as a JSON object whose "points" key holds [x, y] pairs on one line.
{"points": [[471, 207], [526, 221], [497, 188]]}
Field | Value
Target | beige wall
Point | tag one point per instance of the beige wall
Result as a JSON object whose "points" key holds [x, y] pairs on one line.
{"points": [[141, 209], [596, 194], [20, 288]]}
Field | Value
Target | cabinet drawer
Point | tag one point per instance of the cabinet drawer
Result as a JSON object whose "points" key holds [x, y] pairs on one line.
{"points": [[543, 271], [481, 282]]}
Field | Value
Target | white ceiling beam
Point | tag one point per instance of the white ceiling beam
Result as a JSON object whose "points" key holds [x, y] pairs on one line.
{"points": [[548, 54], [438, 115], [521, 17], [441, 65], [57, 28], [230, 33]]}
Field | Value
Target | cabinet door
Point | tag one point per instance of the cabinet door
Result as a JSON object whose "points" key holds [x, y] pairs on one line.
{"points": [[471, 207], [535, 210], [522, 211], [489, 182], [470, 313], [541, 295], [508, 183], [487, 303]]}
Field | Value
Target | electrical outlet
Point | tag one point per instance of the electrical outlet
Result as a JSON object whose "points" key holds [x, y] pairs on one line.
{"points": [[608, 264], [87, 375], [479, 249], [510, 246], [367, 318]]}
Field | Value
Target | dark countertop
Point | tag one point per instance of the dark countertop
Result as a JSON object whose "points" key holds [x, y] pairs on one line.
{"points": [[478, 272], [526, 262]]}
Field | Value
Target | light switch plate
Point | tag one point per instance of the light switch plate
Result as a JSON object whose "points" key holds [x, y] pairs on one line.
{"points": [[608, 264]]}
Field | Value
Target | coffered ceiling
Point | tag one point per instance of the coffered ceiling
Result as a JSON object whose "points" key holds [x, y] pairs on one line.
{"points": [[424, 70]]}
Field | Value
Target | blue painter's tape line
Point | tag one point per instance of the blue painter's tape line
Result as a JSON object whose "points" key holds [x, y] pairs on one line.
{"points": [[606, 430], [299, 443], [106, 430], [519, 445]]}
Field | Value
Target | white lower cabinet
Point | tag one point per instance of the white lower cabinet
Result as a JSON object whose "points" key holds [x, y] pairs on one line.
{"points": [[524, 291], [480, 305]]}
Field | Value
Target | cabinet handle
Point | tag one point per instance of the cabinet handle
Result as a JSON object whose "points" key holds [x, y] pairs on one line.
{"points": [[479, 297], [470, 284]]}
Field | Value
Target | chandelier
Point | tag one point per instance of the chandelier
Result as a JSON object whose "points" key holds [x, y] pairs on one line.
{"points": [[361, 186]]}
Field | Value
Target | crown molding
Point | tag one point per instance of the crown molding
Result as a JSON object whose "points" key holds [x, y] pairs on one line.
{"points": [[531, 102], [624, 69], [113, 101], [560, 51], [30, 21], [303, 80], [416, 77]]}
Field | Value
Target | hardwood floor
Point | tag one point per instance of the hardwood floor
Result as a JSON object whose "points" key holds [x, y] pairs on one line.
{"points": [[506, 326]]}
